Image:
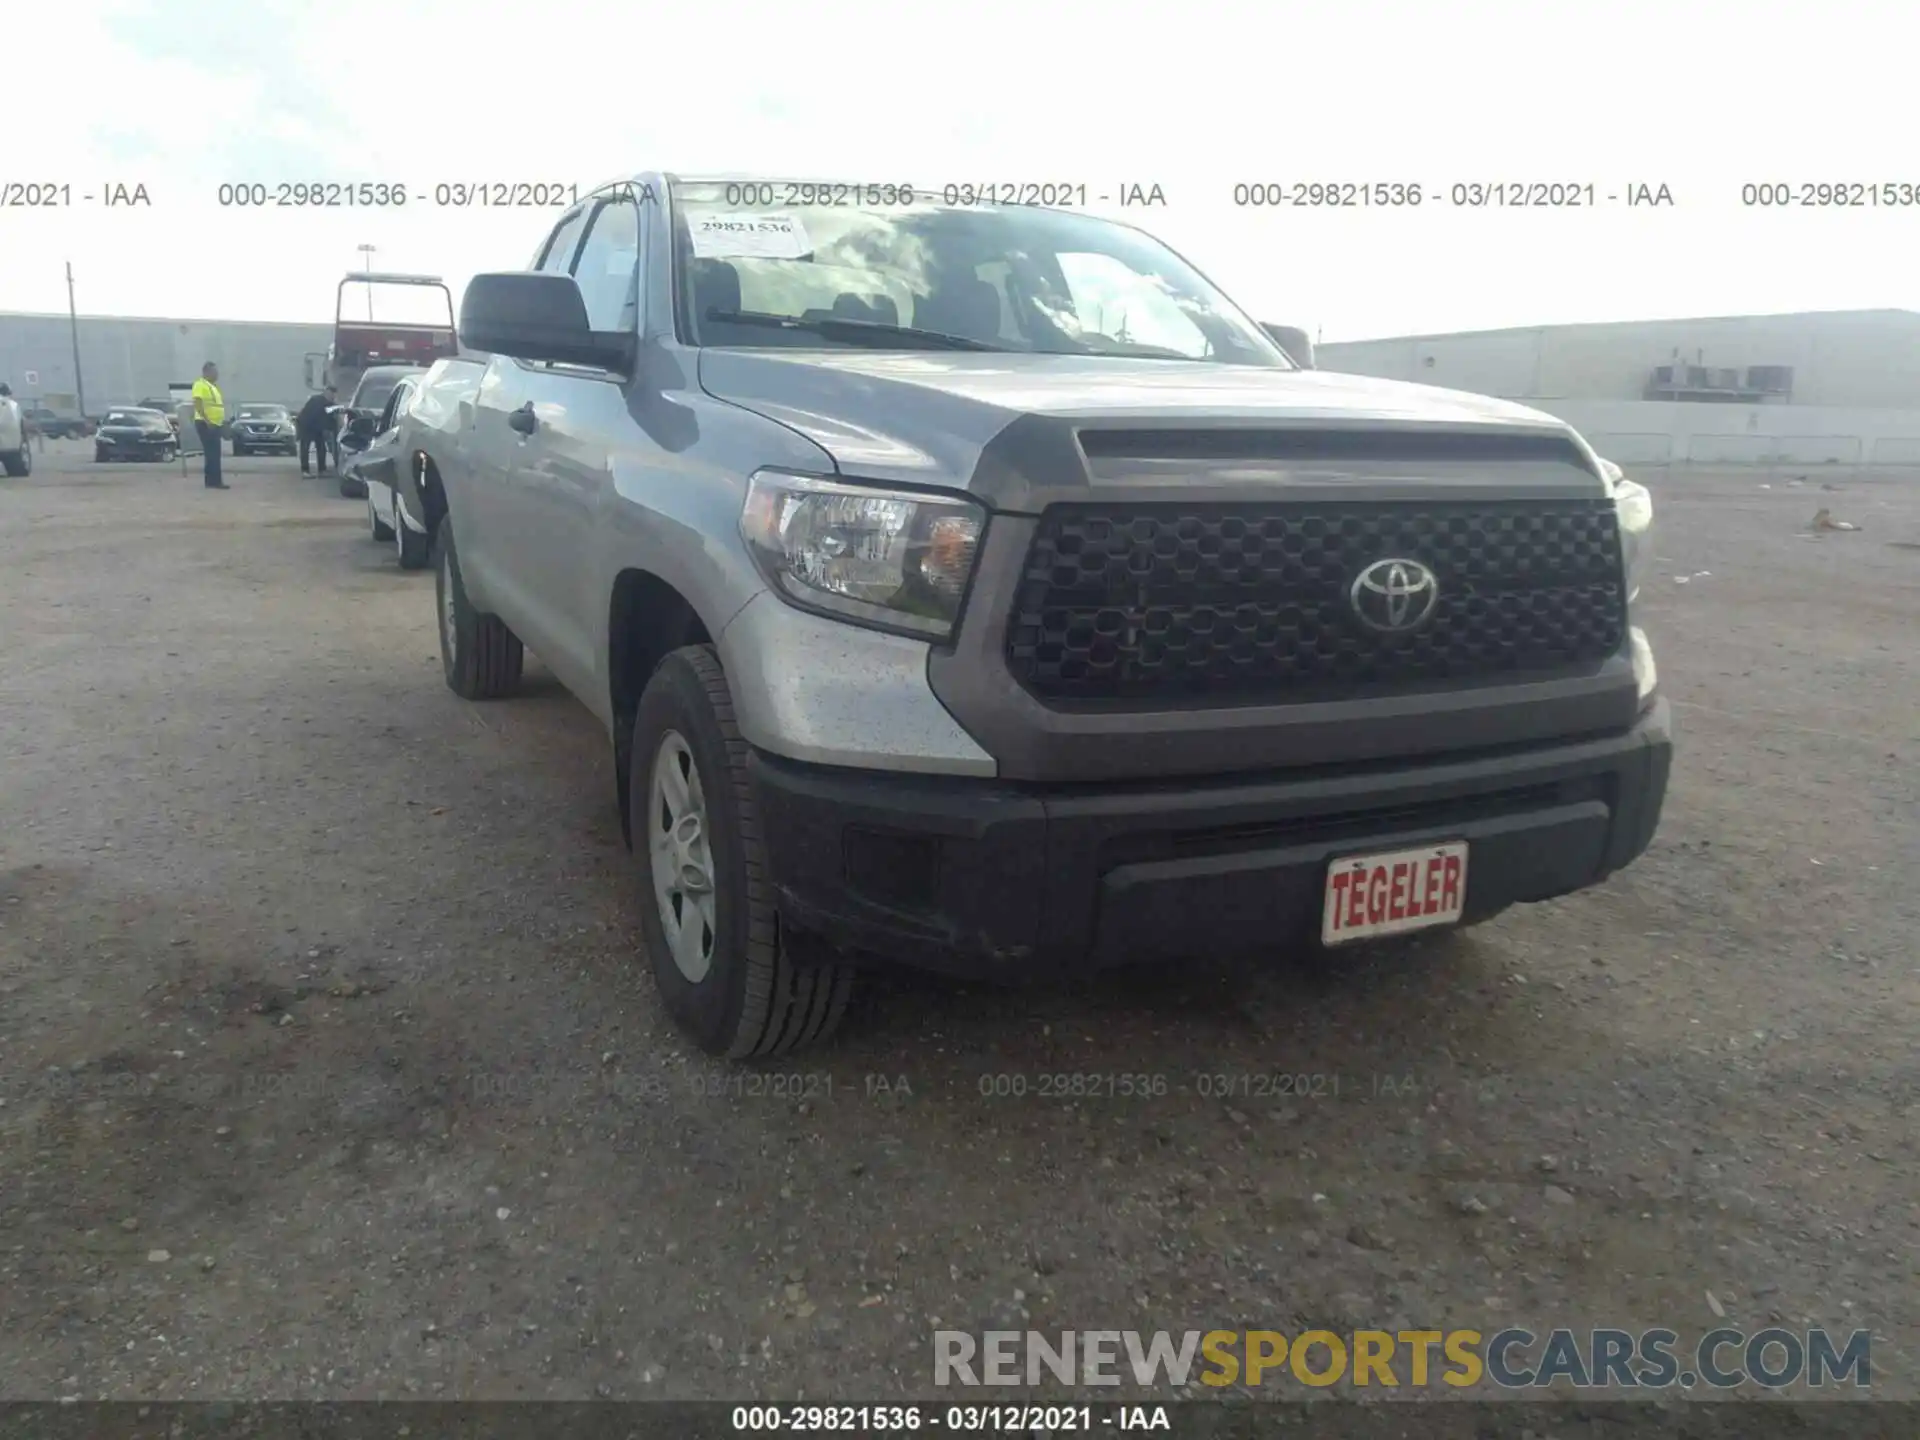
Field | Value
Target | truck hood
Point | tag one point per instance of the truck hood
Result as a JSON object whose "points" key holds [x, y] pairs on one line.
{"points": [[1012, 427]]}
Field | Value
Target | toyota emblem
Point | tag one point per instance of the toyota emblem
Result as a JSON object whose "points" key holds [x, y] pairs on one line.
{"points": [[1395, 595]]}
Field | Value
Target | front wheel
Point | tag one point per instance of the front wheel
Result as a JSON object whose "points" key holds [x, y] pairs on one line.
{"points": [[480, 657], [416, 550], [708, 917], [17, 463], [382, 531]]}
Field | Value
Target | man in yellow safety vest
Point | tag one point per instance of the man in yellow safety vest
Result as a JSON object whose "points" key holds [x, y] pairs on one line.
{"points": [[209, 418]]}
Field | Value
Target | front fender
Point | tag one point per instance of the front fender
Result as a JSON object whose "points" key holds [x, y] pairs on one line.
{"points": [[672, 506]]}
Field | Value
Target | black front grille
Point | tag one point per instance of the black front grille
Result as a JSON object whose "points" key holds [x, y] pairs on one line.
{"points": [[1252, 602]]}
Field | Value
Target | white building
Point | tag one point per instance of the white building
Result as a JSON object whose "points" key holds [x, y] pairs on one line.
{"points": [[126, 359], [1854, 359]]}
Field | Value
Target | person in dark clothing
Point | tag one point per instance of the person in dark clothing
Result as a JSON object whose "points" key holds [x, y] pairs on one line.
{"points": [[313, 426]]}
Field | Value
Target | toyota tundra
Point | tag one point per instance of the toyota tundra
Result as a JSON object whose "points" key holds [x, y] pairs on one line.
{"points": [[977, 587]]}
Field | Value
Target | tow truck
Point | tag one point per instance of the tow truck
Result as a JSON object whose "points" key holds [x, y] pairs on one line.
{"points": [[358, 345]]}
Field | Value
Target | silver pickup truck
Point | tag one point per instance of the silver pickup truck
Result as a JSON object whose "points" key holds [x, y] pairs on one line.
{"points": [[977, 587]]}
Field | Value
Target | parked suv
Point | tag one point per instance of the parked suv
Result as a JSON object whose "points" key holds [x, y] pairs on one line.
{"points": [[980, 588], [262, 429]]}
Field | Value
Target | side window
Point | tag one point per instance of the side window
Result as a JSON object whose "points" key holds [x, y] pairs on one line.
{"points": [[558, 259], [1112, 299], [608, 273]]}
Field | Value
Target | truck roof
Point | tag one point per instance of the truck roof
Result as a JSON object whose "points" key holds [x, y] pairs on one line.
{"points": [[389, 277]]}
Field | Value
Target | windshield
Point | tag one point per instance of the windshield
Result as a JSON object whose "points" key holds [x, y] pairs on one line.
{"points": [[264, 412], [375, 389], [1005, 277], [133, 417]]}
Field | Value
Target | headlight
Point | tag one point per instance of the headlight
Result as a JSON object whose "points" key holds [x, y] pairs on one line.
{"points": [[895, 559], [1633, 504]]}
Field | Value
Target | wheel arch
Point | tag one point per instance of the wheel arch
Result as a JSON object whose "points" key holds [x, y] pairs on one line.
{"points": [[647, 620], [433, 493]]}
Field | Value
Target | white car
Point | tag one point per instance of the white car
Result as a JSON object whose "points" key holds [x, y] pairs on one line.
{"points": [[15, 457]]}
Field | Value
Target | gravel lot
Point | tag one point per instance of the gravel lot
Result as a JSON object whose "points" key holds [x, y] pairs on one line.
{"points": [[330, 1069]]}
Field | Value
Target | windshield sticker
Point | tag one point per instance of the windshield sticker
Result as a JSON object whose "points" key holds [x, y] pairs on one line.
{"points": [[719, 235]]}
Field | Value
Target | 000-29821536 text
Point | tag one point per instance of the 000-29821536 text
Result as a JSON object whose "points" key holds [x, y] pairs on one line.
{"points": [[878, 1419], [311, 195], [387, 195], [1831, 194], [1070, 1085]]}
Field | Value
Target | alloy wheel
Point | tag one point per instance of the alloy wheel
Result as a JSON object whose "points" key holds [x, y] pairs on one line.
{"points": [[680, 858]]}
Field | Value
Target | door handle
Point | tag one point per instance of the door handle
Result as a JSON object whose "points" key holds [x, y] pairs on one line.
{"points": [[523, 419]]}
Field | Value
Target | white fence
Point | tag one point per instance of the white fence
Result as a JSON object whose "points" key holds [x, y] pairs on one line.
{"points": [[1635, 432]]}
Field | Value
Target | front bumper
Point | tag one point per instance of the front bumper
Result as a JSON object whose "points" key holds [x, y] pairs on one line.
{"points": [[155, 448], [1007, 881]]}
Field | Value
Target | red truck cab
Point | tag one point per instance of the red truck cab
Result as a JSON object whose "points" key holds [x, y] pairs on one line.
{"points": [[359, 345]]}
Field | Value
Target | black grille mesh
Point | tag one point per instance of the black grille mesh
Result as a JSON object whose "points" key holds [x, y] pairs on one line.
{"points": [[1156, 602]]}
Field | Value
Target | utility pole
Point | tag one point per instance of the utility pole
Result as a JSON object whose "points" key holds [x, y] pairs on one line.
{"points": [[366, 263], [73, 324]]}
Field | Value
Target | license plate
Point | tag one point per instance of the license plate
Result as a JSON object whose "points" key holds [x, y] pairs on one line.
{"points": [[1390, 894]]}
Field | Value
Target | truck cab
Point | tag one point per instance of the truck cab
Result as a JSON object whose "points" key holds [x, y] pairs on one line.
{"points": [[358, 345]]}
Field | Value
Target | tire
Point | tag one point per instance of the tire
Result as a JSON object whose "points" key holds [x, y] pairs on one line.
{"points": [[99, 456], [480, 657], [731, 985], [351, 488], [17, 463], [238, 450], [382, 531], [416, 550]]}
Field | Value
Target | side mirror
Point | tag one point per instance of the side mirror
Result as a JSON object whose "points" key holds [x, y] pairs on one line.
{"points": [[532, 316], [1294, 341]]}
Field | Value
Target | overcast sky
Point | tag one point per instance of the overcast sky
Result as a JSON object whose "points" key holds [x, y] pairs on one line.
{"points": [[1194, 97]]}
